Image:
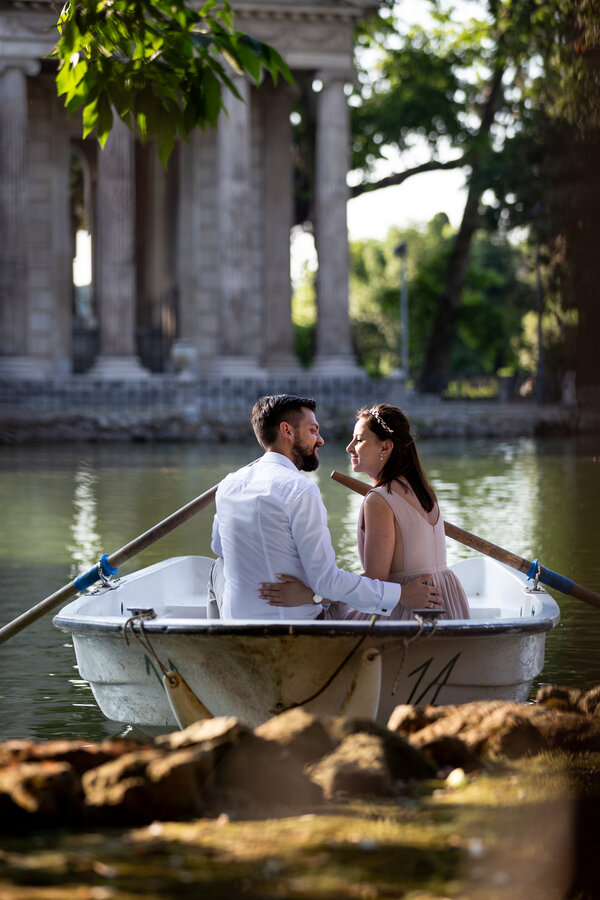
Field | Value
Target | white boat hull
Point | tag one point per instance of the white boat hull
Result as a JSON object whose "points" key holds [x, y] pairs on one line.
{"points": [[253, 670]]}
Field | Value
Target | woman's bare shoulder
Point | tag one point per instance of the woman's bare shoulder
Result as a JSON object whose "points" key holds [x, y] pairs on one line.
{"points": [[375, 500]]}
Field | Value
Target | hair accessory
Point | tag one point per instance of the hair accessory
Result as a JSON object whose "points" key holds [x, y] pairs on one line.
{"points": [[376, 415]]}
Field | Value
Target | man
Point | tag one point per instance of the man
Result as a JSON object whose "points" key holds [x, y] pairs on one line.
{"points": [[271, 519]]}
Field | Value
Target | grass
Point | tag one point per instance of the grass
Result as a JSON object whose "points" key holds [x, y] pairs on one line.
{"points": [[525, 832]]}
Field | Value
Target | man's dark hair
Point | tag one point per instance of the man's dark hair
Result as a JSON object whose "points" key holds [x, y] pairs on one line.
{"points": [[269, 412]]}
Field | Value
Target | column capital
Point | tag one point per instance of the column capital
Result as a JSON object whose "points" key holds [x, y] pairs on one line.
{"points": [[29, 67], [335, 76]]}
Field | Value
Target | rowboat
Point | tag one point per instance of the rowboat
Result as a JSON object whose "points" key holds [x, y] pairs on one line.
{"points": [[131, 633]]}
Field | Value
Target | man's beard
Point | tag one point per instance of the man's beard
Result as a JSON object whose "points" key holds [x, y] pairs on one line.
{"points": [[306, 462]]}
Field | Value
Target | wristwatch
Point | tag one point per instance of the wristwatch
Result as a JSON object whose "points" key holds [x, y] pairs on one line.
{"points": [[317, 599]]}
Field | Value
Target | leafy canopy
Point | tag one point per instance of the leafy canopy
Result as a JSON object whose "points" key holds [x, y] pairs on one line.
{"points": [[497, 294], [159, 64]]}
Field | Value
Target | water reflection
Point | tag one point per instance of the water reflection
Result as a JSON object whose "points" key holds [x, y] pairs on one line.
{"points": [[86, 548], [64, 507]]}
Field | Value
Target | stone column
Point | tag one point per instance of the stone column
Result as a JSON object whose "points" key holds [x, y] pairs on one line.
{"points": [[240, 343], [152, 235], [114, 258], [14, 297], [278, 199], [198, 249], [334, 354], [61, 248]]}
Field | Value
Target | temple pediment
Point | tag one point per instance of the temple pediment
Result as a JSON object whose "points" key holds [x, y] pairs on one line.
{"points": [[309, 35]]}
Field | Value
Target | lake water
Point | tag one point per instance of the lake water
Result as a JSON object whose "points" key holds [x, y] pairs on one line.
{"points": [[62, 507]]}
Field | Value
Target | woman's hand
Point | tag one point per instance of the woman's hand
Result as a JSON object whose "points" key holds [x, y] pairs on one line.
{"points": [[288, 591], [417, 594]]}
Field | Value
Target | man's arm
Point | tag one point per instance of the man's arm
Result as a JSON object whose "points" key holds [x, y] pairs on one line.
{"points": [[308, 520], [215, 544]]}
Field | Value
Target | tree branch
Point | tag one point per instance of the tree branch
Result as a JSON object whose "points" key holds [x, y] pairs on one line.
{"points": [[399, 177]]}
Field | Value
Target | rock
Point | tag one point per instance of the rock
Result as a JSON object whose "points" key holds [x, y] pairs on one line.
{"points": [[456, 779], [305, 737], [442, 732], [470, 735], [505, 732], [590, 702], [290, 763], [223, 730], [368, 762], [573, 699], [449, 751], [80, 754], [258, 776], [358, 767], [555, 697], [408, 719], [176, 782], [39, 794], [119, 786]]}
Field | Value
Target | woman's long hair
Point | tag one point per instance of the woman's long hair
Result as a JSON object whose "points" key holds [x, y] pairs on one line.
{"points": [[389, 423]]}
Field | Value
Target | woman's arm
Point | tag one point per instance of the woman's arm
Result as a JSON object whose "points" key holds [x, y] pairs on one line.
{"points": [[288, 591], [380, 537]]}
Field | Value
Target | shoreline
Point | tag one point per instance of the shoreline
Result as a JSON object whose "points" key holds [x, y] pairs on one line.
{"points": [[442, 419], [490, 800], [172, 408]]}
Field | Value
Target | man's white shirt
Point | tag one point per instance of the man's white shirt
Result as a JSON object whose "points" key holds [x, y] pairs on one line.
{"points": [[271, 520]]}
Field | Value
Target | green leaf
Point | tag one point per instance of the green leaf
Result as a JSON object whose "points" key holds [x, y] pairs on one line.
{"points": [[65, 79], [105, 119], [277, 65], [90, 116], [161, 64], [249, 59], [165, 141]]}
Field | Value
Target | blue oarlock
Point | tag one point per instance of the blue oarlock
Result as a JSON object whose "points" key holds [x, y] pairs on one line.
{"points": [[100, 572]]}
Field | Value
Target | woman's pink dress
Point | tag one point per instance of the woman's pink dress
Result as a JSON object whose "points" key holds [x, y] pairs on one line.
{"points": [[424, 554]]}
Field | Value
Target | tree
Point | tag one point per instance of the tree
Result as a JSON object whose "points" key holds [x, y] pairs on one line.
{"points": [[573, 101], [160, 65], [474, 96], [489, 324]]}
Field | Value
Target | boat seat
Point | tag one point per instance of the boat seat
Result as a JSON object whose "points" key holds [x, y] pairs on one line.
{"points": [[212, 607], [214, 590]]}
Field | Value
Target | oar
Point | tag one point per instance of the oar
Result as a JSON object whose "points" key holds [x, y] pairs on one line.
{"points": [[546, 576], [108, 564]]}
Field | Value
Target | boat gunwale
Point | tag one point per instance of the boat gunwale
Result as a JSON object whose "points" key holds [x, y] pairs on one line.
{"points": [[321, 628]]}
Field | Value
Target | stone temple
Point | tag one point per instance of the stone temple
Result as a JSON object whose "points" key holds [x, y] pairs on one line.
{"points": [[190, 264]]}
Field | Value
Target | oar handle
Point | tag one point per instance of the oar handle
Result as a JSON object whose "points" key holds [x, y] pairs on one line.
{"points": [[353, 483], [110, 562], [36, 612], [546, 576], [483, 546], [161, 528]]}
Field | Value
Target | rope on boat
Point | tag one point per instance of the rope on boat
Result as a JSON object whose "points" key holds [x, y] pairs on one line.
{"points": [[144, 640], [334, 674], [142, 637]]}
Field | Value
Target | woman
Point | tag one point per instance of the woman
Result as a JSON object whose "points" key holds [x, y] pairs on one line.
{"points": [[400, 528]]}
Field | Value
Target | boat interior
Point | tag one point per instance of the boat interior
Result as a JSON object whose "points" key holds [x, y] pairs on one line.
{"points": [[176, 588]]}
